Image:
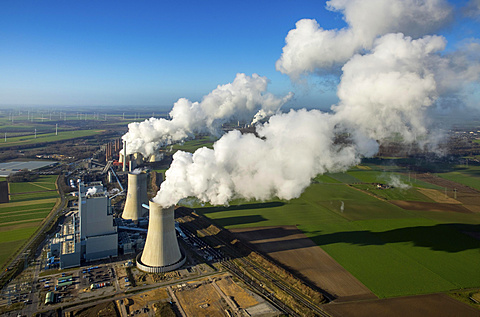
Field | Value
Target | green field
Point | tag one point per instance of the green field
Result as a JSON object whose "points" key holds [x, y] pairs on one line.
{"points": [[409, 194], [469, 176], [21, 217], [48, 137], [193, 145], [394, 252]]}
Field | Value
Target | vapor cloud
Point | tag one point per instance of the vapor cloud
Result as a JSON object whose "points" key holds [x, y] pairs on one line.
{"points": [[472, 9], [91, 191], [392, 72], [280, 161], [244, 99], [310, 48], [385, 93]]}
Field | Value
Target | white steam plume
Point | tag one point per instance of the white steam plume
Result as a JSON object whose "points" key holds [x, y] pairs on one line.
{"points": [[311, 48], [137, 171], [388, 83], [289, 151], [240, 100], [91, 191], [396, 182], [385, 93]]}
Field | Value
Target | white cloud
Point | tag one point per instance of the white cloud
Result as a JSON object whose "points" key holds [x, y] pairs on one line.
{"points": [[310, 48]]}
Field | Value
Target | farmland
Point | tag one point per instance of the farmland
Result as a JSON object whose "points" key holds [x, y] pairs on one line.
{"points": [[48, 137], [30, 203], [391, 250], [469, 176], [193, 145]]}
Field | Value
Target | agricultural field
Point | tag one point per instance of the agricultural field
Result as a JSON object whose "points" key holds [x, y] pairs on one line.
{"points": [[192, 145], [469, 176], [41, 188], [391, 250], [29, 205], [48, 137]]}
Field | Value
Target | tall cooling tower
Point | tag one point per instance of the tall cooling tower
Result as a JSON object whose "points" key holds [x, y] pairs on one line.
{"points": [[161, 252], [136, 196]]}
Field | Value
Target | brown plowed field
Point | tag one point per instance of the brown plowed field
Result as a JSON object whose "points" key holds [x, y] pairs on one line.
{"points": [[421, 205], [412, 306], [437, 196], [466, 195], [290, 247]]}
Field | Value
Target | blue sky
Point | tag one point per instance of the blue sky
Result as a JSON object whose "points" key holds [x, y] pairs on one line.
{"points": [[153, 52]]}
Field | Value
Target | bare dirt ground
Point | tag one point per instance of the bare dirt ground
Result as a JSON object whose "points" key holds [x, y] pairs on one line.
{"points": [[236, 293], [287, 245], [421, 205], [138, 302], [104, 309], [412, 306], [201, 300]]}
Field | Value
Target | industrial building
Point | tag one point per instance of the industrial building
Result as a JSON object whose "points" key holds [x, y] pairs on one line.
{"points": [[66, 244], [89, 234], [99, 237]]}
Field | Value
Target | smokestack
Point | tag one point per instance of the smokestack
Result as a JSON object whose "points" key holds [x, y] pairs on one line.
{"points": [[131, 163], [136, 196], [161, 252], [124, 155]]}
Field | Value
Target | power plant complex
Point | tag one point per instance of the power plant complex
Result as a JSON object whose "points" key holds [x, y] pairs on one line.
{"points": [[93, 232]]}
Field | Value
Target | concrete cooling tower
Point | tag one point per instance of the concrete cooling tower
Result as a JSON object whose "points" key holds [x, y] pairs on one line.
{"points": [[136, 196], [161, 252]]}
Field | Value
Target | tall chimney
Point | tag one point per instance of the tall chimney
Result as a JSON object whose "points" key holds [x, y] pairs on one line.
{"points": [[136, 196], [124, 156], [161, 252]]}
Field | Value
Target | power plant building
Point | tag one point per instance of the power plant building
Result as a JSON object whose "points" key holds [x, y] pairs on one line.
{"points": [[89, 234], [99, 237], [66, 244]]}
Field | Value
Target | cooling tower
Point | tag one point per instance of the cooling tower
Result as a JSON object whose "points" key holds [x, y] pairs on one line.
{"points": [[161, 252], [136, 196], [138, 158]]}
